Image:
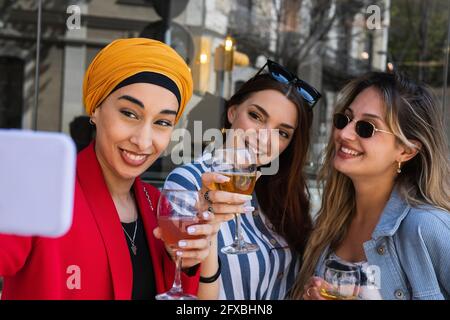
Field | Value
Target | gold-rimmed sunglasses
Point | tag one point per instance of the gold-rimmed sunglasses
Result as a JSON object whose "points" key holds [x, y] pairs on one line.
{"points": [[363, 128]]}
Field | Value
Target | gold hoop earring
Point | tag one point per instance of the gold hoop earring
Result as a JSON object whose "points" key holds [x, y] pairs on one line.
{"points": [[223, 130], [399, 169]]}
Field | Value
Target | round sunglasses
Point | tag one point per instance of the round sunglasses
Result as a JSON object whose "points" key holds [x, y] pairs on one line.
{"points": [[363, 128]]}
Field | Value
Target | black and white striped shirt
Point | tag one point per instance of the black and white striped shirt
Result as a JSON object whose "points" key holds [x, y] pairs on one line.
{"points": [[263, 275]]}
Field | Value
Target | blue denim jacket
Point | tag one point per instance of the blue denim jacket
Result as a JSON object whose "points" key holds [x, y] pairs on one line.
{"points": [[411, 246]]}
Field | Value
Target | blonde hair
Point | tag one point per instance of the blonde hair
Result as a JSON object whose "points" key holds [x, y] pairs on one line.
{"points": [[411, 114]]}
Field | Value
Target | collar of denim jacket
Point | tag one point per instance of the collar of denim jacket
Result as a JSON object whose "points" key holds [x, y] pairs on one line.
{"points": [[393, 214]]}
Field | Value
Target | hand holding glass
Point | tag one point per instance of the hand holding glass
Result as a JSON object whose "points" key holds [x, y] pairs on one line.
{"points": [[177, 210], [240, 166], [341, 281]]}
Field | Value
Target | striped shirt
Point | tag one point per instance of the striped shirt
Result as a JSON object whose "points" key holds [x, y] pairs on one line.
{"points": [[263, 275]]}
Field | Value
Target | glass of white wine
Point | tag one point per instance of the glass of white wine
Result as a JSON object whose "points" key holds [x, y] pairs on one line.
{"points": [[341, 280], [238, 164]]}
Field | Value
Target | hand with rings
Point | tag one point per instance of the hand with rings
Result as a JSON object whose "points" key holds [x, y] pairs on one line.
{"points": [[221, 205], [312, 289], [208, 199]]}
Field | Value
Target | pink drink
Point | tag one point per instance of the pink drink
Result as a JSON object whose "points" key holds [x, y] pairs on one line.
{"points": [[174, 229]]}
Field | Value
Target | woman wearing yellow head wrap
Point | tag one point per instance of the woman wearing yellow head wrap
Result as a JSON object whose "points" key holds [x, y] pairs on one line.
{"points": [[125, 58], [134, 90]]}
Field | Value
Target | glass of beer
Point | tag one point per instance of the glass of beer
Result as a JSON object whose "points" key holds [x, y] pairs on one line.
{"points": [[341, 280], [240, 166], [177, 210]]}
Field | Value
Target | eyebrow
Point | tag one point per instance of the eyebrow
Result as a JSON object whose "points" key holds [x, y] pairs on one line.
{"points": [[369, 115], [261, 109], [287, 126], [140, 104], [132, 100], [264, 112], [169, 112]]}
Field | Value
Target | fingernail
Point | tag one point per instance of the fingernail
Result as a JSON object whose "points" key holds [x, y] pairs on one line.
{"points": [[190, 230], [182, 243], [205, 215], [179, 253], [249, 209], [245, 197], [222, 178]]}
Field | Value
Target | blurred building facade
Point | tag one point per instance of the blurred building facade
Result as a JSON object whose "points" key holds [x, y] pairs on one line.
{"points": [[326, 42]]}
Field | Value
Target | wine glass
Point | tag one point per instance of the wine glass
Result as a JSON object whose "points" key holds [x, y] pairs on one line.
{"points": [[238, 164], [341, 280], [177, 210]]}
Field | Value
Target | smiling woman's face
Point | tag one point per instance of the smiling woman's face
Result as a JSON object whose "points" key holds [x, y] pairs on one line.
{"points": [[266, 110], [366, 157], [133, 125]]}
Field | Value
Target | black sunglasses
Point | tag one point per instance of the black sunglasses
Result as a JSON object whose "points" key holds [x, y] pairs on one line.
{"points": [[282, 75], [363, 128]]}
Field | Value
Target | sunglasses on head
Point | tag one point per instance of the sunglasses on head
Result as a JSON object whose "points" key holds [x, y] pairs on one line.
{"points": [[363, 128], [282, 75]]}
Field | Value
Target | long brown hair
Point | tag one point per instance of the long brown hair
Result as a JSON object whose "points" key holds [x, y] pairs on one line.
{"points": [[411, 114], [284, 197]]}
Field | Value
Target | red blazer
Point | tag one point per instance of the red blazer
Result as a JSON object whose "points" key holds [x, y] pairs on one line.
{"points": [[92, 260]]}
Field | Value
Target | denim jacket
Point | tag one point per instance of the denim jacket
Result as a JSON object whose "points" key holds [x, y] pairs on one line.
{"points": [[411, 248]]}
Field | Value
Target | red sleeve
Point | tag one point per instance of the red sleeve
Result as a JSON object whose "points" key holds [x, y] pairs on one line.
{"points": [[14, 251], [190, 280]]}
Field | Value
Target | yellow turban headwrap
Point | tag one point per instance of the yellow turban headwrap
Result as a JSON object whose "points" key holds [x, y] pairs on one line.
{"points": [[124, 58]]}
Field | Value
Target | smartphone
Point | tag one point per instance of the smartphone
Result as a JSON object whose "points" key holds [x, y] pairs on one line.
{"points": [[37, 182]]}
